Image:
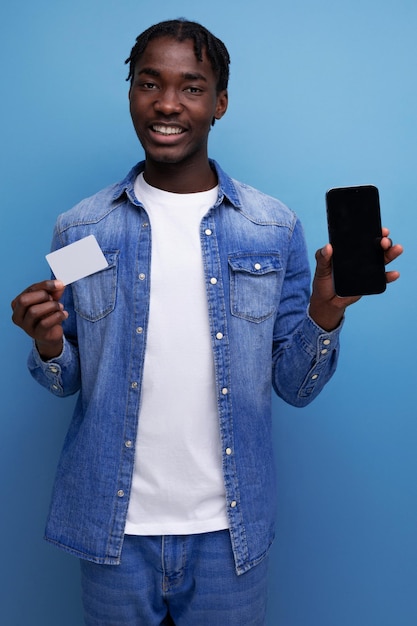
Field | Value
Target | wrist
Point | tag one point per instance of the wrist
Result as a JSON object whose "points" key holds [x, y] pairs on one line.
{"points": [[48, 350], [326, 315]]}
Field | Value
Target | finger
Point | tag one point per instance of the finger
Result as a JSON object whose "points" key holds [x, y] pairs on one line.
{"points": [[393, 252], [53, 287], [386, 243], [38, 312], [47, 328], [39, 292], [46, 323], [23, 303], [29, 317], [392, 276]]}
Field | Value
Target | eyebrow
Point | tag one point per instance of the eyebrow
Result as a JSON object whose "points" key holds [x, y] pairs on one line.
{"points": [[194, 76], [150, 71]]}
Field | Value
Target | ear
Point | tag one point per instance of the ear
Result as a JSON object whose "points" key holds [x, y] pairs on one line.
{"points": [[221, 104]]}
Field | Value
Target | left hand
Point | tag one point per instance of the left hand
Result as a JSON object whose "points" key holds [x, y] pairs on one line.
{"points": [[326, 308]]}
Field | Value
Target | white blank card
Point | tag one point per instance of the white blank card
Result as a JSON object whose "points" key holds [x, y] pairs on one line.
{"points": [[77, 260]]}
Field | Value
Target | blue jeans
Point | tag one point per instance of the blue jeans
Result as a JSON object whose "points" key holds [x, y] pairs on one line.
{"points": [[174, 581]]}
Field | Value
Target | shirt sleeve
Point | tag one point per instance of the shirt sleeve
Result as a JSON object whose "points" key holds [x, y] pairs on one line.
{"points": [[61, 375], [304, 355]]}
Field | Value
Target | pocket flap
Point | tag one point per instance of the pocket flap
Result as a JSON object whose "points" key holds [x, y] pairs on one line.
{"points": [[255, 263]]}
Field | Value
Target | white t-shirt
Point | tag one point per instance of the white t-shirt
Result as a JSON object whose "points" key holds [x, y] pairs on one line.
{"points": [[178, 483]]}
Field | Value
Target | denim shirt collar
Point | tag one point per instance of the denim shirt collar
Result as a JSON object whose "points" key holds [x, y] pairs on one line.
{"points": [[227, 187]]}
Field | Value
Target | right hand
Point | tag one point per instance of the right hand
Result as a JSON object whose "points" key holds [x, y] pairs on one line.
{"points": [[39, 313]]}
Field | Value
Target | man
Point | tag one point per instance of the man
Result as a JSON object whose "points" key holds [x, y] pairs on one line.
{"points": [[165, 487]]}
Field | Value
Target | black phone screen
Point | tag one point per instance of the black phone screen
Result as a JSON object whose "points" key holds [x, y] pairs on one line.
{"points": [[354, 222]]}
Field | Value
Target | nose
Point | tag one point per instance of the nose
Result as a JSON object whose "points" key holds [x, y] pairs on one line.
{"points": [[168, 102]]}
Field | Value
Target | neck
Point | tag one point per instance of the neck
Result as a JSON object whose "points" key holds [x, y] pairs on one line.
{"points": [[180, 177]]}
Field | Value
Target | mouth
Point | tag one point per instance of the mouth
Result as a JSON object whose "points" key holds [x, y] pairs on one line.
{"points": [[167, 130]]}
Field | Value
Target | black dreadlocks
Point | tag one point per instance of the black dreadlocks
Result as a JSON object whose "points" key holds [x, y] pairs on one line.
{"points": [[181, 30]]}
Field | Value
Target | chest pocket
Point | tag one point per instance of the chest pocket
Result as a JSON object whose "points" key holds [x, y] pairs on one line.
{"points": [[255, 285], [95, 295]]}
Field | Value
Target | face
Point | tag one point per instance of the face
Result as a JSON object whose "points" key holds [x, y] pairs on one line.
{"points": [[173, 100]]}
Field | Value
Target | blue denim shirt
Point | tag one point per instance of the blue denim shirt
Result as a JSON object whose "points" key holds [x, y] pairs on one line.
{"points": [[258, 286]]}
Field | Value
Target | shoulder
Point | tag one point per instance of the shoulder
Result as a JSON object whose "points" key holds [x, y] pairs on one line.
{"points": [[253, 204], [90, 210], [263, 208], [95, 208]]}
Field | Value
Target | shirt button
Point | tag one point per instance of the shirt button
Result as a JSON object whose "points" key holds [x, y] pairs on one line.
{"points": [[55, 387], [219, 336], [228, 451], [257, 266], [120, 493], [142, 276], [145, 225], [233, 504], [213, 281], [326, 342], [134, 385], [208, 231], [128, 443], [324, 351], [53, 369], [225, 391], [139, 330], [314, 376]]}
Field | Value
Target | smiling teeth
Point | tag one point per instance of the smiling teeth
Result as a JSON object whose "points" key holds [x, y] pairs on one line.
{"points": [[167, 130]]}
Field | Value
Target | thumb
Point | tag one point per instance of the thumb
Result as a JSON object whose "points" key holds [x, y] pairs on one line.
{"points": [[58, 290], [324, 261]]}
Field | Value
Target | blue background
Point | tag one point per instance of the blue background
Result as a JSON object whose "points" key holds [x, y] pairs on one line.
{"points": [[321, 94]]}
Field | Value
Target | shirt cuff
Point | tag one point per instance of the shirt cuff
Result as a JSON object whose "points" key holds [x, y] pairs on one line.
{"points": [[322, 341]]}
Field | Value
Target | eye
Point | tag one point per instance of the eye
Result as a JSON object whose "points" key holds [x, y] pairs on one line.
{"points": [[194, 90], [147, 85]]}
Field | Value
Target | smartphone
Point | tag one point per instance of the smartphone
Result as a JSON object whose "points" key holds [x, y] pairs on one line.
{"points": [[354, 223]]}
